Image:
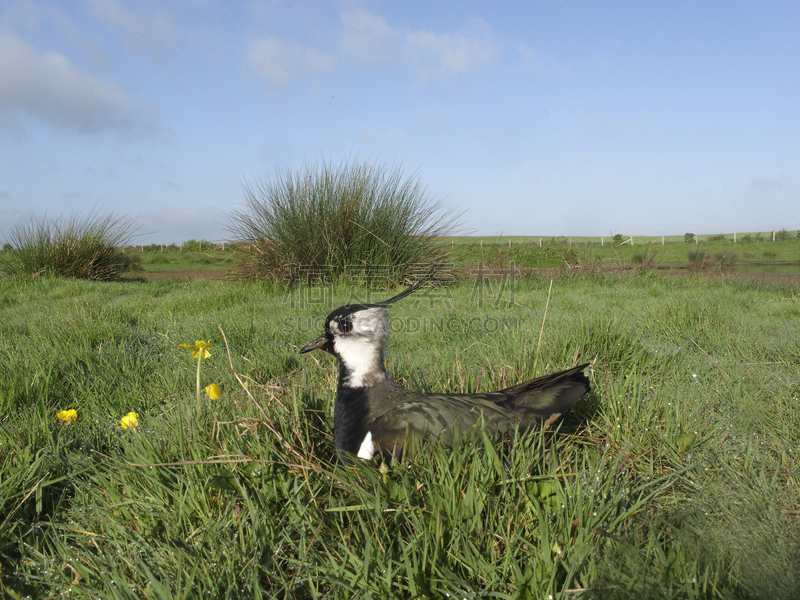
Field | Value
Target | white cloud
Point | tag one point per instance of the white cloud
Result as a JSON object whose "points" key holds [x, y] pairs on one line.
{"points": [[372, 40], [391, 139], [280, 61], [35, 18], [763, 184], [531, 59], [151, 27], [451, 54], [48, 85]]}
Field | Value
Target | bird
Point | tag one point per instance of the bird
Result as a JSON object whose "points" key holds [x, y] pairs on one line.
{"points": [[373, 415]]}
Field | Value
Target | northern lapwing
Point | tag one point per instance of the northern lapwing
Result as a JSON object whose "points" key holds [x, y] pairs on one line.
{"points": [[373, 414]]}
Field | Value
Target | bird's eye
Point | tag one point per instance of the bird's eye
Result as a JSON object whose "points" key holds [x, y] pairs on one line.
{"points": [[345, 325]]}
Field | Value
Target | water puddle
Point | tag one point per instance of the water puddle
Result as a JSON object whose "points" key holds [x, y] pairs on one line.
{"points": [[770, 269]]}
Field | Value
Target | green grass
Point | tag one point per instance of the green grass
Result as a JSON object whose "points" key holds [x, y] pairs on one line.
{"points": [[211, 260], [525, 252], [676, 477]]}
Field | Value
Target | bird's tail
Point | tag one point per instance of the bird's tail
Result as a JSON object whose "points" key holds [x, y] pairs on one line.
{"points": [[547, 397]]}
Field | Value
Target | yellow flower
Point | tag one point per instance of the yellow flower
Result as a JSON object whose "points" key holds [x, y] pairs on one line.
{"points": [[213, 391], [130, 421], [198, 347], [68, 416]]}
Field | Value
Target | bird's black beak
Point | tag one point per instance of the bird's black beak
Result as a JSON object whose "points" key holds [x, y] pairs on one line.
{"points": [[317, 344]]}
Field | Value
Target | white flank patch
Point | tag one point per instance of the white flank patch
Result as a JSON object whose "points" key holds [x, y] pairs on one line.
{"points": [[367, 448]]}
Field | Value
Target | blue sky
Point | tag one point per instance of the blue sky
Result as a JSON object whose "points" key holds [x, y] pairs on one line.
{"points": [[535, 118]]}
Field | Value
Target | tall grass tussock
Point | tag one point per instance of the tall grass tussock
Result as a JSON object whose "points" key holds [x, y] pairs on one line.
{"points": [[84, 247], [352, 218]]}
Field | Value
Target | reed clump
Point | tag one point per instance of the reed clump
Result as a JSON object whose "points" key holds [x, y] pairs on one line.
{"points": [[83, 247], [353, 218]]}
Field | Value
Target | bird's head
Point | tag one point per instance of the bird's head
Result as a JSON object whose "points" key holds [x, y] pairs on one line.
{"points": [[360, 325], [356, 334]]}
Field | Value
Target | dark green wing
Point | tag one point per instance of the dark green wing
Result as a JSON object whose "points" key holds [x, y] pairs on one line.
{"points": [[394, 410], [444, 417]]}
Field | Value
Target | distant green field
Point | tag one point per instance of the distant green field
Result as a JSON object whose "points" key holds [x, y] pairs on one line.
{"points": [[638, 239], [676, 477], [527, 252], [709, 252], [170, 261]]}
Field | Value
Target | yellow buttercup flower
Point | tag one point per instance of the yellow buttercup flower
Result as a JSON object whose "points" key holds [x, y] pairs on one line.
{"points": [[199, 348], [68, 416], [130, 421], [199, 351], [213, 391]]}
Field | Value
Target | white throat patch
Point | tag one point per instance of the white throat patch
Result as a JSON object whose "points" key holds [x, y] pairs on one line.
{"points": [[362, 349]]}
